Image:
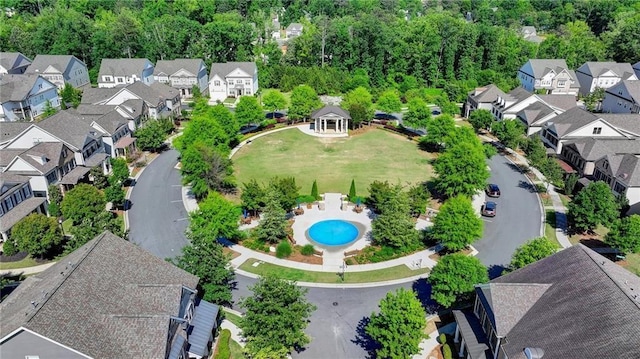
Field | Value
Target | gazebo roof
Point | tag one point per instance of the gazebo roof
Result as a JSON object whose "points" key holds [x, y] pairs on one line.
{"points": [[330, 109]]}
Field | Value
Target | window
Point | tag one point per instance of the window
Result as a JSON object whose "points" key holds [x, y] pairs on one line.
{"points": [[120, 80], [18, 196], [26, 191], [562, 83], [597, 130], [107, 78], [247, 82], [51, 177], [9, 203], [216, 83], [618, 188], [239, 82]]}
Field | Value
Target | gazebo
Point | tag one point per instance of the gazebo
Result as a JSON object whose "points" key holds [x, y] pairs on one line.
{"points": [[331, 119]]}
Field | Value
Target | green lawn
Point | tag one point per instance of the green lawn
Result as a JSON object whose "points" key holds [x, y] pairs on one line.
{"points": [[236, 350], [298, 275], [235, 319], [26, 262], [333, 162], [632, 263], [550, 227]]}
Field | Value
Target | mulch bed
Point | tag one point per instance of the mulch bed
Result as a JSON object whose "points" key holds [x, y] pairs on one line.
{"points": [[14, 258]]}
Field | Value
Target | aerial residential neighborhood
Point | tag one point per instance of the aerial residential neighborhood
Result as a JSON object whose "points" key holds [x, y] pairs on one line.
{"points": [[320, 179]]}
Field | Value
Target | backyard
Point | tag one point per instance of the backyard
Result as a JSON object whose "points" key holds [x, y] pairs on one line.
{"points": [[333, 162]]}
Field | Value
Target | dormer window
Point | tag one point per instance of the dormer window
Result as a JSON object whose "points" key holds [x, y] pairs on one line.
{"points": [[605, 164]]}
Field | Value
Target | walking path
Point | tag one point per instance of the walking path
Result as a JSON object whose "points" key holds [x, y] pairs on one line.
{"points": [[26, 270], [558, 206]]}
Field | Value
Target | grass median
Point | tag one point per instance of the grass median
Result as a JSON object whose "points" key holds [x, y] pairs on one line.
{"points": [[391, 273]]}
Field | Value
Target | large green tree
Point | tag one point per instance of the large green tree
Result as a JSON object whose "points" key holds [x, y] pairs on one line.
{"points": [[359, 104], [624, 234], [456, 226], [509, 132], [389, 102], [206, 169], [253, 196], [215, 218], [115, 194], [119, 171], [274, 100], [593, 205], [249, 111], [481, 119], [304, 100], [417, 115], [454, 277], [276, 315], [399, 326], [287, 190], [438, 129], [273, 224], [532, 251], [36, 234], [394, 227], [82, 202], [205, 259], [461, 170], [150, 136]]}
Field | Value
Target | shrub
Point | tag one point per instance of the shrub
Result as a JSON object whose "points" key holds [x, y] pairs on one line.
{"points": [[283, 250], [446, 352], [442, 338], [10, 248], [307, 250], [223, 345], [54, 209], [540, 188], [256, 245], [306, 199]]}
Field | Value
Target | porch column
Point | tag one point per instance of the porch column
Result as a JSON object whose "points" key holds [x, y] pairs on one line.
{"points": [[5, 237], [456, 338], [461, 352]]}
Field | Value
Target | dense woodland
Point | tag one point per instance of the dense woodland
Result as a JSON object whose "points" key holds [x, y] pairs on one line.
{"points": [[376, 43]]}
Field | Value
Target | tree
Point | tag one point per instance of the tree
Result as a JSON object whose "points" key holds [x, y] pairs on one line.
{"points": [[418, 199], [90, 227], [276, 315], [273, 225], [119, 171], [438, 129], [394, 227], [150, 136], [49, 110], [70, 96], [417, 115], [215, 218], [82, 202], [593, 100], [531, 252], [100, 180], [115, 194], [456, 226], [535, 150], [352, 190], [379, 193], [249, 111], [304, 100], [206, 169], [481, 119], [624, 234], [274, 100], [623, 40], [207, 260], [509, 132], [389, 102], [461, 170], [213, 126], [314, 190], [55, 198], [570, 183], [359, 104], [399, 327], [36, 234], [287, 191], [593, 205], [454, 277], [252, 196]]}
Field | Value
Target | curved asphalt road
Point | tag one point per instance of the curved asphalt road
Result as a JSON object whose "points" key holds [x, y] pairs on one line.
{"points": [[158, 220]]}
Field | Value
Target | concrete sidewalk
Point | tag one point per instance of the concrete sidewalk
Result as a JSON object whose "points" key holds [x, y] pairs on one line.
{"points": [[27, 270], [558, 206]]}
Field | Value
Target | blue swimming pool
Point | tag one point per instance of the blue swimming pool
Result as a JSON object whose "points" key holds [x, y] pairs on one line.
{"points": [[333, 232]]}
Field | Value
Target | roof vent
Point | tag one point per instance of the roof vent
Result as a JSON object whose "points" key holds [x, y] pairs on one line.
{"points": [[533, 353], [34, 304]]}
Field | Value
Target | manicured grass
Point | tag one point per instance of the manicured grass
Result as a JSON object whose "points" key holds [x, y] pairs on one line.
{"points": [[550, 227], [298, 275], [24, 263], [66, 226], [632, 263], [333, 162], [235, 319], [236, 350]]}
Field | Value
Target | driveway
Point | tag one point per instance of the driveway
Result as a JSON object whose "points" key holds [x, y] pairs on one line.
{"points": [[518, 218], [158, 220]]}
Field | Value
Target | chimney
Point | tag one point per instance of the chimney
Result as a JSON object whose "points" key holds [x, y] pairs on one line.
{"points": [[533, 353]]}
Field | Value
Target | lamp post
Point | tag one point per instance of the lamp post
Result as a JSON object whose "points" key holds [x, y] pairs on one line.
{"points": [[61, 227]]}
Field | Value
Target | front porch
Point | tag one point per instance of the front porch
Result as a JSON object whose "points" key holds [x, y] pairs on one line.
{"points": [[126, 145]]}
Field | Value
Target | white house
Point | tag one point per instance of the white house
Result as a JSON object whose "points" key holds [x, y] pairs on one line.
{"points": [[121, 72], [161, 101], [13, 63], [25, 97], [482, 98], [294, 30], [16, 202], [624, 97], [550, 75], [232, 79], [61, 69], [603, 75], [183, 74], [530, 34]]}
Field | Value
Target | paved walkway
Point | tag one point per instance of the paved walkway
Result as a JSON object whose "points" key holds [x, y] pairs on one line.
{"points": [[27, 270], [558, 206]]}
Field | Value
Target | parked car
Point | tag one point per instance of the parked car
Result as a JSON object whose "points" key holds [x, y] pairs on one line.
{"points": [[489, 209], [492, 190]]}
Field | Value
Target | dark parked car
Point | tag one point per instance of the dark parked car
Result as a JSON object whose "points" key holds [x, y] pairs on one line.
{"points": [[489, 209], [492, 190]]}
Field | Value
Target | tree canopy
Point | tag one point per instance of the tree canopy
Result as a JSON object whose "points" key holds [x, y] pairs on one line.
{"points": [[532, 251], [304, 100], [36, 234], [454, 277], [624, 234], [456, 226], [272, 228], [249, 111], [215, 218], [481, 119], [276, 315], [417, 115], [389, 102], [593, 205], [461, 170], [359, 104], [274, 100], [394, 227], [438, 129], [399, 326], [83, 201]]}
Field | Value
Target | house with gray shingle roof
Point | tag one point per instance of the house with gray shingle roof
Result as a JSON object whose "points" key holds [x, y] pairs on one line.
{"points": [[550, 75], [183, 74], [121, 72], [636, 69], [160, 100], [13, 63], [603, 75], [9, 130], [294, 30], [108, 299], [61, 69], [623, 97], [622, 173], [573, 304], [17, 201], [481, 98], [530, 34], [232, 79], [25, 97]]}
